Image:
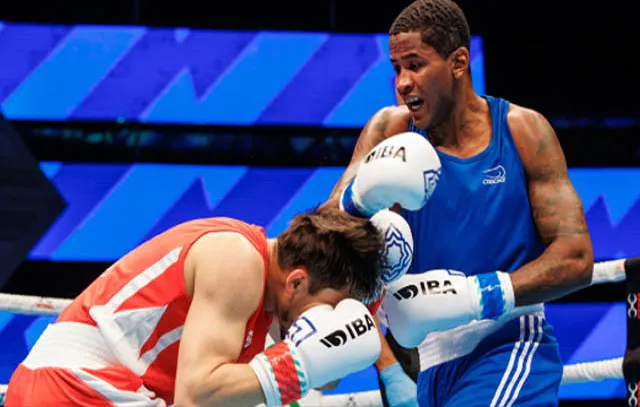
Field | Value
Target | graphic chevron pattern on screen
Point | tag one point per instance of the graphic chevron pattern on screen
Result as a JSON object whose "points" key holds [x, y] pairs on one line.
{"points": [[177, 75], [581, 329], [114, 207]]}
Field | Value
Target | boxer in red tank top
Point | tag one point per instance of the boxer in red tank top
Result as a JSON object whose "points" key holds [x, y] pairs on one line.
{"points": [[183, 318]]}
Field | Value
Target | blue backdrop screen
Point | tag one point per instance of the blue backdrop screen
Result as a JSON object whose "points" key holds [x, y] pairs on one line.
{"points": [[178, 75], [114, 207]]}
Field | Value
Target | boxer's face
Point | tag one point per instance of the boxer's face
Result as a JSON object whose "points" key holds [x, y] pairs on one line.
{"points": [[424, 79], [295, 298]]}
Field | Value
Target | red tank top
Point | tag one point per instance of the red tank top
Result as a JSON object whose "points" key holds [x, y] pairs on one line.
{"points": [[140, 303]]}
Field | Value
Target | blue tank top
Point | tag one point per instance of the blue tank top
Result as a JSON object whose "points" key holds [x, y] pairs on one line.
{"points": [[478, 219]]}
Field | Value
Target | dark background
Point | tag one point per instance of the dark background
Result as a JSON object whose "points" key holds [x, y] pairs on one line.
{"points": [[561, 57]]}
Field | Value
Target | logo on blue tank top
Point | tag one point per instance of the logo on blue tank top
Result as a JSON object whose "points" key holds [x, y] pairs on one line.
{"points": [[495, 175]]}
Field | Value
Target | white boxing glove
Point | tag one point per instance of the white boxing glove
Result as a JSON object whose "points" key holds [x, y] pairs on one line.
{"points": [[402, 169], [438, 300], [398, 244], [323, 345]]}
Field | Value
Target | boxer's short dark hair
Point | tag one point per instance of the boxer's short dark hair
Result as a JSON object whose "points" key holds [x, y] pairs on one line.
{"points": [[441, 22], [338, 251]]}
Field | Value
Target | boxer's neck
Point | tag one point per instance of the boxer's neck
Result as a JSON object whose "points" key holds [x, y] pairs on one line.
{"points": [[459, 127], [273, 271]]}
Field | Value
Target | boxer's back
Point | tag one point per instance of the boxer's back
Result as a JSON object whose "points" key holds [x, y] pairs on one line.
{"points": [[140, 303]]}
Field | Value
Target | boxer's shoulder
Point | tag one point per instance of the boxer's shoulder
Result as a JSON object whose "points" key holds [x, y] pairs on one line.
{"points": [[385, 123], [389, 121], [524, 122], [531, 133], [226, 260]]}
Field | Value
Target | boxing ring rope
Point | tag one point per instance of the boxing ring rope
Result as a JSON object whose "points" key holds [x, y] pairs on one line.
{"points": [[572, 374], [31, 305]]}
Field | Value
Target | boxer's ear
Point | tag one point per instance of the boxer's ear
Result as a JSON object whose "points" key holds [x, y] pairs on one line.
{"points": [[460, 60], [297, 282]]}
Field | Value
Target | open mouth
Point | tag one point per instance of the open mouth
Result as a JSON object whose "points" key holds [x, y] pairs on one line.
{"points": [[414, 103]]}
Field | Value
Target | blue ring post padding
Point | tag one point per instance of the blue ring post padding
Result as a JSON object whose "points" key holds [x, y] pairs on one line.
{"points": [[492, 295]]}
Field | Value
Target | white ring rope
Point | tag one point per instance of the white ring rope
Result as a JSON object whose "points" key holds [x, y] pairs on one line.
{"points": [[592, 371], [572, 374], [30, 305]]}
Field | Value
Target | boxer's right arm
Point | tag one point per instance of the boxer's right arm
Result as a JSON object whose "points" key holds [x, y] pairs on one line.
{"points": [[386, 123]]}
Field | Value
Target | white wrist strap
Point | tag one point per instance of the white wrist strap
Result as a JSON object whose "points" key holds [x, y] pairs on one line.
{"points": [[262, 368], [509, 295], [495, 295]]}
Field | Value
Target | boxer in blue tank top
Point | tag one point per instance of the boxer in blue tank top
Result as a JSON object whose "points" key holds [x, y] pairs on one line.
{"points": [[504, 216], [479, 220]]}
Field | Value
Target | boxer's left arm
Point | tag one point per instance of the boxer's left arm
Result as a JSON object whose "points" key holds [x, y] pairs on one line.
{"points": [[565, 265], [557, 211], [227, 288]]}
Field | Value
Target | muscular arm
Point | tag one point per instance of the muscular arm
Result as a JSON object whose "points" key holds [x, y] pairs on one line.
{"points": [[227, 288], [566, 264], [385, 123]]}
